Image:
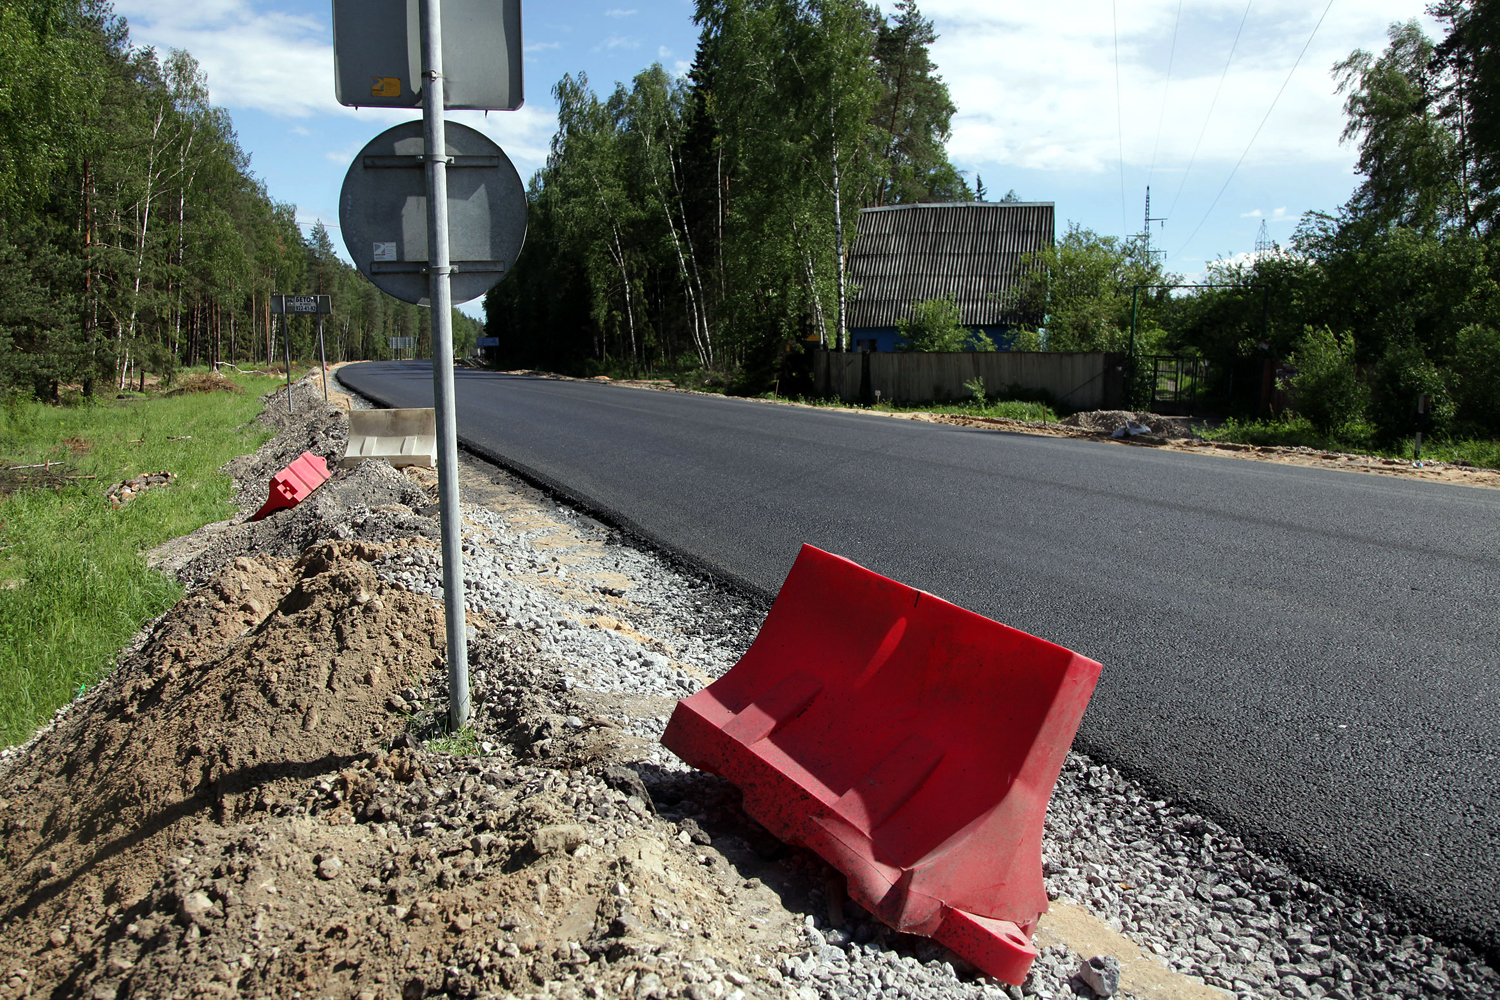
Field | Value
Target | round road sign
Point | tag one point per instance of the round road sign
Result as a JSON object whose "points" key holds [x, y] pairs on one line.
{"points": [[383, 212]]}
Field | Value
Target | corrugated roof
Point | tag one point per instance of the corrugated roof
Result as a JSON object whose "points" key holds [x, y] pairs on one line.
{"points": [[971, 250]]}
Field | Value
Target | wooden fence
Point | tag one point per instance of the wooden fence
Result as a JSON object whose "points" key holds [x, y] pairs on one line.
{"points": [[1083, 381]]}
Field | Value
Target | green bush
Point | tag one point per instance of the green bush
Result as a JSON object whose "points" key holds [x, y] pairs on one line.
{"points": [[1477, 367], [1402, 376], [934, 326], [1329, 393], [975, 386]]}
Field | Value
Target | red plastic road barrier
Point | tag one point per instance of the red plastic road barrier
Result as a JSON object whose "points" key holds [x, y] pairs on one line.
{"points": [[910, 743], [295, 483]]}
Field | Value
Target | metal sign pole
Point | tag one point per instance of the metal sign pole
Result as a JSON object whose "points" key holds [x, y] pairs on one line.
{"points": [[323, 357], [286, 336], [440, 297]]}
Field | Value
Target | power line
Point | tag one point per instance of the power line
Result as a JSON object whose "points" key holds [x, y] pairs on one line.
{"points": [[1211, 105], [1262, 124], [1165, 89], [1119, 114]]}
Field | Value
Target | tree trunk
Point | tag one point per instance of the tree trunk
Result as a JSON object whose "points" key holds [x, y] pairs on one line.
{"points": [[838, 238]]}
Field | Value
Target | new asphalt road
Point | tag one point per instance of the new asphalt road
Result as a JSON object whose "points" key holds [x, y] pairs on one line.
{"points": [[1311, 656]]}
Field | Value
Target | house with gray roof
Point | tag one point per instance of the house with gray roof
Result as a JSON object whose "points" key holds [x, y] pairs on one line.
{"points": [[970, 250]]}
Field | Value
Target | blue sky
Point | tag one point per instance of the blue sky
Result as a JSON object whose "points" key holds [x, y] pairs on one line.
{"points": [[1040, 110]]}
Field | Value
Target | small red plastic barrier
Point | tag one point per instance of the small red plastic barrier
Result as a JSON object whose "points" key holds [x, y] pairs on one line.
{"points": [[910, 743], [295, 483]]}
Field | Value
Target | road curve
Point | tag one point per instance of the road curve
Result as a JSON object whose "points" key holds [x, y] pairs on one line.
{"points": [[1311, 656]]}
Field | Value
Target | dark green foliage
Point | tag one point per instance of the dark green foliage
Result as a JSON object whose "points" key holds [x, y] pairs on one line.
{"points": [[133, 236], [1403, 375], [1327, 384], [1476, 367], [934, 326], [1466, 68], [912, 114], [704, 224], [1083, 284]]}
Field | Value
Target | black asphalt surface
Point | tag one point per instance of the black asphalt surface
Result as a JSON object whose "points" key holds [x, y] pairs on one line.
{"points": [[1310, 656]]}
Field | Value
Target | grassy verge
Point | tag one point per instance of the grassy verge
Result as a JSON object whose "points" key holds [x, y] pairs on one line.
{"points": [[1009, 409], [1294, 432], [73, 581]]}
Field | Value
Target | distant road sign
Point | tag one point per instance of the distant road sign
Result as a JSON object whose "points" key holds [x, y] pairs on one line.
{"points": [[489, 341], [403, 343], [377, 54], [383, 212], [317, 305]]}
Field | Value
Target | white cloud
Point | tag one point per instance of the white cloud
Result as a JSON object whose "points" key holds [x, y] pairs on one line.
{"points": [[344, 157], [1276, 215], [617, 12], [255, 58], [525, 135], [1035, 84], [542, 46], [618, 42]]}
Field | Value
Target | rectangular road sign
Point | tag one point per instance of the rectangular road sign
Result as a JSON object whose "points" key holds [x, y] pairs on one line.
{"points": [[489, 341], [403, 343], [292, 305], [377, 54]]}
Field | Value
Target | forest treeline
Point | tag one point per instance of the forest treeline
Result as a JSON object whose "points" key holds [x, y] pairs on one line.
{"points": [[1365, 309], [133, 235], [704, 221]]}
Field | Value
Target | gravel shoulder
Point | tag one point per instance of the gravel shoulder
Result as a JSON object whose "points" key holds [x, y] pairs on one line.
{"points": [[260, 800]]}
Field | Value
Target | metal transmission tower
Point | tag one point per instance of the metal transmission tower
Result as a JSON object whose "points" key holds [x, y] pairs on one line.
{"points": [[1263, 239], [1145, 234]]}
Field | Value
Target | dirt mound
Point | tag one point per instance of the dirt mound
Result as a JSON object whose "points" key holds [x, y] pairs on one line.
{"points": [[1109, 421], [371, 502], [320, 428], [274, 673], [412, 877], [220, 818]]}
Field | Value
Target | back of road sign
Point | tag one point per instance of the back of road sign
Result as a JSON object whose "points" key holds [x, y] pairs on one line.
{"points": [[383, 212], [377, 54], [293, 305]]}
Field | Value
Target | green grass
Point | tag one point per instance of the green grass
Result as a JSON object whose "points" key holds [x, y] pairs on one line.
{"points": [[1357, 438], [464, 743], [86, 588], [1009, 409]]}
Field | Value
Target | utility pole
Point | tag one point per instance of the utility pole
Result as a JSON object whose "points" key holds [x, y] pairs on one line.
{"points": [[1263, 242], [1146, 230]]}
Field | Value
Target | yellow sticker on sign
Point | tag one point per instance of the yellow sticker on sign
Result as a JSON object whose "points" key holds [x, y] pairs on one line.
{"points": [[385, 86]]}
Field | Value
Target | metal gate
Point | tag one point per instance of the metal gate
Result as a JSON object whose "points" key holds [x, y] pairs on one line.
{"points": [[1176, 383]]}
